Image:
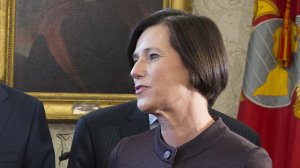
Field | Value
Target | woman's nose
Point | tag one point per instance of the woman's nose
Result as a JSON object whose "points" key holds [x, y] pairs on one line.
{"points": [[139, 69]]}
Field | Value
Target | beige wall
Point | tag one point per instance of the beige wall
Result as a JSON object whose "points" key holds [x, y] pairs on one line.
{"points": [[234, 20]]}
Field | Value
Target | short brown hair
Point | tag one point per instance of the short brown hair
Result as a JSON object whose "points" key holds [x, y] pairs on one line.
{"points": [[199, 43]]}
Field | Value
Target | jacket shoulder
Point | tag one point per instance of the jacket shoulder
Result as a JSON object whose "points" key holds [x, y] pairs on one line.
{"points": [[112, 115], [238, 127], [17, 98]]}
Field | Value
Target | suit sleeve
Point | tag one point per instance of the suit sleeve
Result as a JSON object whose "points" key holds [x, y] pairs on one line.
{"points": [[82, 153], [39, 151]]}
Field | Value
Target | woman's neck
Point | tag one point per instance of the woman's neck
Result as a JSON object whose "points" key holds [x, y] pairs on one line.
{"points": [[186, 120]]}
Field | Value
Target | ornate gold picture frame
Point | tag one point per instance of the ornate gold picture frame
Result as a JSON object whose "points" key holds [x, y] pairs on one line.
{"points": [[66, 106]]}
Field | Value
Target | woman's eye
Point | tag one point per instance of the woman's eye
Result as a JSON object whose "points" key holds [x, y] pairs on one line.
{"points": [[153, 56]]}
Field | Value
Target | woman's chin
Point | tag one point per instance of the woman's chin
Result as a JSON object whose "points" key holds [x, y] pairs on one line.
{"points": [[143, 106]]}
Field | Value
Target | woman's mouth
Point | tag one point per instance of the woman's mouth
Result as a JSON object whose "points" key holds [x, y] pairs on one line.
{"points": [[140, 88]]}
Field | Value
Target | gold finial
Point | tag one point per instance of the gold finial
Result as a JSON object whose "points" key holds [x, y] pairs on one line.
{"points": [[184, 5]]}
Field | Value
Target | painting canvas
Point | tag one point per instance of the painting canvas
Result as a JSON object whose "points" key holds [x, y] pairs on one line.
{"points": [[71, 54], [76, 46]]}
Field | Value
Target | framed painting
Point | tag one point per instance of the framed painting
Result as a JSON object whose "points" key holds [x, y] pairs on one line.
{"points": [[71, 54]]}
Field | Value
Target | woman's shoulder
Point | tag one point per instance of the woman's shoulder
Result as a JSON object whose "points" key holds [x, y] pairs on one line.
{"points": [[142, 139], [131, 147], [248, 153]]}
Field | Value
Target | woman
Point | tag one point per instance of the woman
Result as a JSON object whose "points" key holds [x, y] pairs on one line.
{"points": [[179, 69]]}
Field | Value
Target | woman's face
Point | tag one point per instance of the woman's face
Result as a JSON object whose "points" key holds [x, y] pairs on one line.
{"points": [[159, 75]]}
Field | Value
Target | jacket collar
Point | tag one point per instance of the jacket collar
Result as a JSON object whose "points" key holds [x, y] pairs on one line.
{"points": [[137, 121], [132, 111]]}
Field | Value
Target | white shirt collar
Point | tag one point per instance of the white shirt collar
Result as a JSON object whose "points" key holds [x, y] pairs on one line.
{"points": [[152, 119]]}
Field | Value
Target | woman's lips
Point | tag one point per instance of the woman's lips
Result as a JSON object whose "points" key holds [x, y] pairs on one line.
{"points": [[140, 88]]}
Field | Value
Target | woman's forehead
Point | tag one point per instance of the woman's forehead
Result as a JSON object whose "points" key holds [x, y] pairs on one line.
{"points": [[155, 37]]}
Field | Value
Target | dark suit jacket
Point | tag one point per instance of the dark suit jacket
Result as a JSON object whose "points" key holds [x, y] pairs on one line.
{"points": [[98, 132], [25, 140]]}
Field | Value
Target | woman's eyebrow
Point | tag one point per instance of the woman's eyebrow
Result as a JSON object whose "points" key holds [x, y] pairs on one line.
{"points": [[152, 49], [146, 50]]}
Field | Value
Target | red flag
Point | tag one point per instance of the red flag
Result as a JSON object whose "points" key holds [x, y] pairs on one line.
{"points": [[270, 101]]}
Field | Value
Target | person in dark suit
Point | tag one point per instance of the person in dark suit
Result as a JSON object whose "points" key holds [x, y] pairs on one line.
{"points": [[25, 140], [98, 132]]}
